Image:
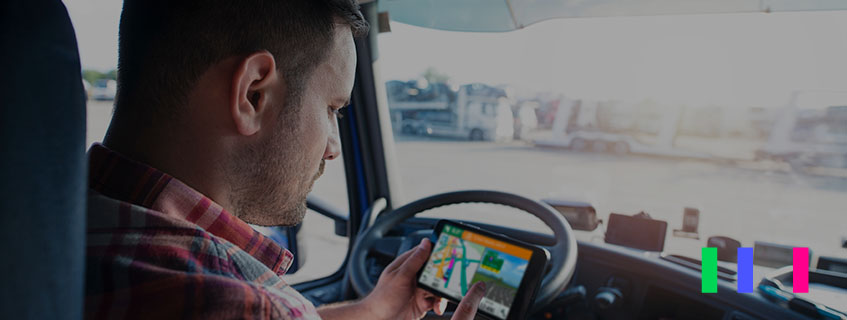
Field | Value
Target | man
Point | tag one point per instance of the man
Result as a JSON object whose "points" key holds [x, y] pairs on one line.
{"points": [[225, 113]]}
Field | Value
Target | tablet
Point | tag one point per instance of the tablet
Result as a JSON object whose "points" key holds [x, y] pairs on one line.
{"points": [[463, 255]]}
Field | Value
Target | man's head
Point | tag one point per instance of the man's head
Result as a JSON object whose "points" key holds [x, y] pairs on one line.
{"points": [[239, 96]]}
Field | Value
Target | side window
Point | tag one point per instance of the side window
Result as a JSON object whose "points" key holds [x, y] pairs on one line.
{"points": [[320, 251]]}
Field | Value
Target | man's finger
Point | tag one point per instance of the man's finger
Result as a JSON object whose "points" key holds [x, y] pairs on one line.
{"points": [[467, 308], [417, 259]]}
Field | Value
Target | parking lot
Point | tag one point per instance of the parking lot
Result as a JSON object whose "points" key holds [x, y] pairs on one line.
{"points": [[746, 202]]}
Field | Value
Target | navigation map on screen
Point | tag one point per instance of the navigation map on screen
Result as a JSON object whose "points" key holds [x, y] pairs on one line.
{"points": [[461, 258]]}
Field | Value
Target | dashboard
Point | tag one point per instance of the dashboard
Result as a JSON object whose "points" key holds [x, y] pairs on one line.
{"points": [[613, 282], [610, 282], [651, 288]]}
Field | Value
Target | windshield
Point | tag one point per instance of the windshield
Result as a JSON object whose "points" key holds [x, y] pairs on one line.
{"points": [[739, 117]]}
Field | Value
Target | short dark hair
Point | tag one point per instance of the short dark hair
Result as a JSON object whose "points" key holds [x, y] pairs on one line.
{"points": [[164, 46]]}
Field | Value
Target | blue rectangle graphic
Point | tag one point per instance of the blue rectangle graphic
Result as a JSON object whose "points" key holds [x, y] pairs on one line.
{"points": [[745, 270]]}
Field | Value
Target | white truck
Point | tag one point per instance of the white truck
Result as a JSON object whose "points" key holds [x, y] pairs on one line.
{"points": [[811, 131], [579, 126], [475, 111]]}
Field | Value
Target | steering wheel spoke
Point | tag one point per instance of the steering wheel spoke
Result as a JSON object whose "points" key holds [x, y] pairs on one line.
{"points": [[388, 247]]}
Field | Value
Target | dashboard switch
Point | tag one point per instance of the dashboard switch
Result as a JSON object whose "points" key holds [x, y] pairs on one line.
{"points": [[608, 298]]}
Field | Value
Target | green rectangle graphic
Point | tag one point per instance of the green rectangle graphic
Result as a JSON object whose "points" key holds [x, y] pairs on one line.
{"points": [[492, 261], [453, 231], [709, 267]]}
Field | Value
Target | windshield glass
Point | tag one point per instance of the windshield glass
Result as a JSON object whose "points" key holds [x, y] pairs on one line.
{"points": [[740, 117]]}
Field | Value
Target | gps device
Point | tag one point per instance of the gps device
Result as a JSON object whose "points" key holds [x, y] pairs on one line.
{"points": [[463, 255], [636, 232]]}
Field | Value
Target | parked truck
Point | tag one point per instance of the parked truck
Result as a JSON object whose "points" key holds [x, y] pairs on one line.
{"points": [[474, 111], [811, 131], [611, 126]]}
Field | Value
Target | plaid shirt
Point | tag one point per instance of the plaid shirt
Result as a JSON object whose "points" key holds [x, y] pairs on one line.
{"points": [[156, 248]]}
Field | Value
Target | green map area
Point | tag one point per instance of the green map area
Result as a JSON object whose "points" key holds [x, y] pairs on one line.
{"points": [[453, 256]]}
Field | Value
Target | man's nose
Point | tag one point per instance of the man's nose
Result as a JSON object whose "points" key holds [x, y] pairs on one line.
{"points": [[333, 148]]}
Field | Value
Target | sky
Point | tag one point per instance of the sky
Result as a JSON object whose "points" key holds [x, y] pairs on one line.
{"points": [[96, 25], [751, 59], [729, 59]]}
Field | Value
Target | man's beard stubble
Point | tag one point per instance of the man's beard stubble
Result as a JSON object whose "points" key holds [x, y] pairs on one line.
{"points": [[318, 174], [271, 188]]}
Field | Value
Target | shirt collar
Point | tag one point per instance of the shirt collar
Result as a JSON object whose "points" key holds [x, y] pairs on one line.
{"points": [[124, 179]]}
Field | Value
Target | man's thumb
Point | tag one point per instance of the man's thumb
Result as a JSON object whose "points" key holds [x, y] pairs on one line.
{"points": [[467, 308], [417, 259]]}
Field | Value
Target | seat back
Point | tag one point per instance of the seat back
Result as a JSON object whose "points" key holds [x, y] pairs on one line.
{"points": [[42, 166]]}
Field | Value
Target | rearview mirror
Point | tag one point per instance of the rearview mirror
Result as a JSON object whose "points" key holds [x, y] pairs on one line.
{"points": [[325, 209]]}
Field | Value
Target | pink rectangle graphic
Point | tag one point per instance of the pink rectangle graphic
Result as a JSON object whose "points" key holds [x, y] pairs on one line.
{"points": [[801, 270]]}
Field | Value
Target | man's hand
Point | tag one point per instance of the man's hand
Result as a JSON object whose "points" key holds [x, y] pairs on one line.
{"points": [[396, 295]]}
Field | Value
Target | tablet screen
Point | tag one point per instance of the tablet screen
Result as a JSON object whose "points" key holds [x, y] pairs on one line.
{"points": [[461, 258]]}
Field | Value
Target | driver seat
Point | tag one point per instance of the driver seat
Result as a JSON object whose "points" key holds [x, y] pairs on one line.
{"points": [[43, 167]]}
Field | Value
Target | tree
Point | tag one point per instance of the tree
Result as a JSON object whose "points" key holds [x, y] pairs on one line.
{"points": [[432, 75], [93, 75]]}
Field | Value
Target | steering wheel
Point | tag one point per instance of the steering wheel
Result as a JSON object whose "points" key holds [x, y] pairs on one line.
{"points": [[562, 253]]}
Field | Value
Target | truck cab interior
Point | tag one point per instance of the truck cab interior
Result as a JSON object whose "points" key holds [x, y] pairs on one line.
{"points": [[736, 77]]}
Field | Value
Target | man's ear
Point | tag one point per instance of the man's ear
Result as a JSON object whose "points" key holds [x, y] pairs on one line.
{"points": [[254, 79]]}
